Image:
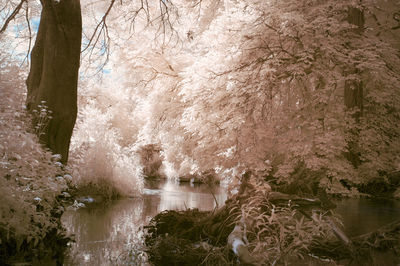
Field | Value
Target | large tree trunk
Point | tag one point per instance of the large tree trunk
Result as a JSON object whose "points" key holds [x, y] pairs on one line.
{"points": [[53, 77]]}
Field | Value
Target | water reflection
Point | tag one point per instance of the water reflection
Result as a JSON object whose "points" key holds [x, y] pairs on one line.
{"points": [[105, 233], [102, 233], [175, 196], [361, 216]]}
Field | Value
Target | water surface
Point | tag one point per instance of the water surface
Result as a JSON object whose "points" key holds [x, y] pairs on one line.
{"points": [[361, 216], [112, 234], [105, 234]]}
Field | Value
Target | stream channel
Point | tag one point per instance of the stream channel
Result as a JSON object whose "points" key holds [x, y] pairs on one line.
{"points": [[112, 234]]}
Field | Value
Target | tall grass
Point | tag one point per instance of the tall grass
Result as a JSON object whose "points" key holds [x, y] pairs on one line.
{"points": [[279, 233]]}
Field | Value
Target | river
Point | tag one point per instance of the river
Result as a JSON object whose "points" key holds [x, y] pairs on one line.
{"points": [[112, 234], [105, 234]]}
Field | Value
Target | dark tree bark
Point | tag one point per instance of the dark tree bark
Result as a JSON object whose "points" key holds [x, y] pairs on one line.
{"points": [[53, 76], [355, 16], [353, 90]]}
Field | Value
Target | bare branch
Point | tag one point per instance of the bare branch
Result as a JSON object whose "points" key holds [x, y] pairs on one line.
{"points": [[12, 16], [144, 7], [30, 33], [101, 26], [97, 46]]}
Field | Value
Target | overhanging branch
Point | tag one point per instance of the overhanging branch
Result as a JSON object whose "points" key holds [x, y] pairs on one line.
{"points": [[12, 16]]}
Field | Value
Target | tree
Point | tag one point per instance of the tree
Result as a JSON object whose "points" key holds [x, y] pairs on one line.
{"points": [[277, 87], [53, 76], [283, 88], [353, 91], [55, 60]]}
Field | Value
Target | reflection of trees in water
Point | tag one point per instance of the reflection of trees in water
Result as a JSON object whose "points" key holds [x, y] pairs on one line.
{"points": [[180, 197], [170, 195], [109, 232], [104, 233], [150, 206]]}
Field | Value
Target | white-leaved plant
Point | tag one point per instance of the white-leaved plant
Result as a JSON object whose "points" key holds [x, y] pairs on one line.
{"points": [[30, 176]]}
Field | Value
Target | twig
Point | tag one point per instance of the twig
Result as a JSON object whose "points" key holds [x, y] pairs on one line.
{"points": [[30, 34]]}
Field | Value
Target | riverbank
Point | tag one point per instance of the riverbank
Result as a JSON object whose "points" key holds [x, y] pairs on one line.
{"points": [[280, 229], [33, 186], [112, 232], [31, 207]]}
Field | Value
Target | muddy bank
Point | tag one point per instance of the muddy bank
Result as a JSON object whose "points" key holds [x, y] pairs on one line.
{"points": [[190, 237]]}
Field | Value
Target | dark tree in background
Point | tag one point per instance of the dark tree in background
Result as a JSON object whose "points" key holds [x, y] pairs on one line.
{"points": [[353, 91], [53, 77]]}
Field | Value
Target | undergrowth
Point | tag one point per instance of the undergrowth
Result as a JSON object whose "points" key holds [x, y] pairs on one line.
{"points": [[31, 178], [188, 238], [275, 233], [101, 165], [103, 171]]}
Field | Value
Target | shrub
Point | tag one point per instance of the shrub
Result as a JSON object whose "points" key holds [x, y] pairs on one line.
{"points": [[30, 177], [101, 165]]}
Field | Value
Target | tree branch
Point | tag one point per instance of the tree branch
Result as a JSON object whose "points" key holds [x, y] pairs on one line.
{"points": [[30, 32], [101, 26], [12, 16]]}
